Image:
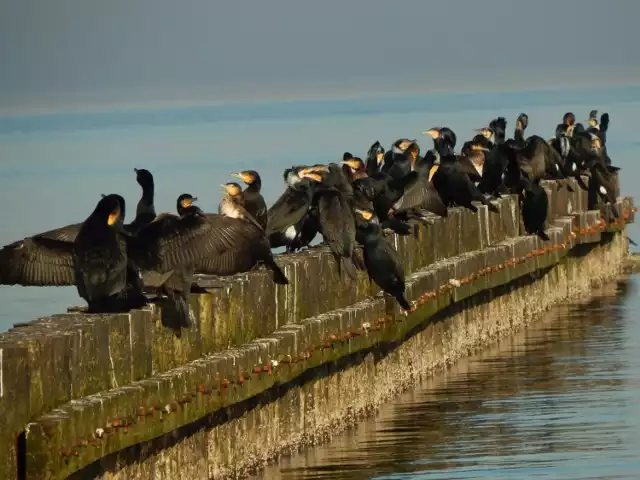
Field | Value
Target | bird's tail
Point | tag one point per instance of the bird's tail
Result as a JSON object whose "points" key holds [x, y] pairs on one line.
{"points": [[568, 186], [403, 301], [614, 209], [178, 289], [179, 311], [346, 265], [398, 226], [492, 207], [277, 274], [542, 234], [358, 259], [581, 183]]}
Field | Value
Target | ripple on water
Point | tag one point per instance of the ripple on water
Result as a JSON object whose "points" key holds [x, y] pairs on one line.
{"points": [[561, 399]]}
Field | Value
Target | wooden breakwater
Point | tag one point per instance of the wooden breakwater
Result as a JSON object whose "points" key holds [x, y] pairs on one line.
{"points": [[269, 368]]}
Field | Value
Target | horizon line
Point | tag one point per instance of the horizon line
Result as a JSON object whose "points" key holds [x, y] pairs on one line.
{"points": [[169, 105]]}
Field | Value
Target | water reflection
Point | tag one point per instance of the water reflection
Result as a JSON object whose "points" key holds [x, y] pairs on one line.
{"points": [[560, 399]]}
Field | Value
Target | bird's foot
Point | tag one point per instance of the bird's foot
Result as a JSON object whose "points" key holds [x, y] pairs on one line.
{"points": [[414, 307]]}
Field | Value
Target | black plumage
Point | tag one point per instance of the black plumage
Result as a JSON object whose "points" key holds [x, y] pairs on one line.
{"points": [[46, 259], [108, 260], [292, 219], [334, 200], [396, 153], [375, 157], [452, 183], [420, 196], [380, 190], [381, 259], [104, 277], [603, 187], [535, 208], [240, 243], [145, 210]]}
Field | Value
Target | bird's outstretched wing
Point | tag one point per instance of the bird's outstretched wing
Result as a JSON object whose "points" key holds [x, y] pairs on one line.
{"points": [[41, 260], [171, 242]]}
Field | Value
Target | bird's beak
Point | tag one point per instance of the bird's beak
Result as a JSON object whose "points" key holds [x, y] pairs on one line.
{"points": [[365, 214], [479, 147], [314, 169], [432, 132]]}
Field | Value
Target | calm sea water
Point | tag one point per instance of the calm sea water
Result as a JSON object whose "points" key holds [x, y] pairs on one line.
{"points": [[54, 168], [561, 399]]}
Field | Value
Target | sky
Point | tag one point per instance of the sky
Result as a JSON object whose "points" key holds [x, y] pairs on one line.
{"points": [[65, 53]]}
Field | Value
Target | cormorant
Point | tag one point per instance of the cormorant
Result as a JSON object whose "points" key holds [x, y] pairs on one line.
{"points": [[574, 149], [535, 207], [253, 200], [381, 190], [397, 151], [452, 183], [420, 196], [104, 276], [603, 184], [404, 162], [599, 129], [535, 158], [375, 157], [108, 260], [522, 122], [493, 160], [185, 200], [334, 199], [380, 259], [356, 173], [293, 216], [356, 170], [499, 127], [145, 211]]}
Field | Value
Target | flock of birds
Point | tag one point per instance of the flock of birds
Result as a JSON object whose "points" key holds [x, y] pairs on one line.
{"points": [[116, 266]]}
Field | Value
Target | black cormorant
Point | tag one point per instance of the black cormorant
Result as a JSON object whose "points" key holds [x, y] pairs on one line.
{"points": [[420, 196], [535, 207], [292, 219], [145, 211], [334, 200], [104, 276], [452, 183], [381, 259], [396, 152], [375, 157]]}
